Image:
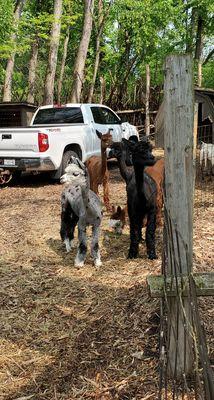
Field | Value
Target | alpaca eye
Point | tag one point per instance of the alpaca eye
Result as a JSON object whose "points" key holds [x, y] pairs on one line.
{"points": [[75, 173]]}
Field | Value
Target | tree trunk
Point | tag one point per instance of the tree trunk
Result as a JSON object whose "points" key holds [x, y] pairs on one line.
{"points": [[190, 29], [147, 120], [102, 19], [7, 95], [65, 50], [199, 82], [198, 49], [53, 53], [102, 89], [96, 66], [134, 95], [78, 75], [123, 85], [32, 70]]}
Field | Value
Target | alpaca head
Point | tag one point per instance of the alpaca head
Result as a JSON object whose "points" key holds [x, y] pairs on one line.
{"points": [[119, 150], [106, 139], [116, 150], [75, 173], [118, 219], [141, 151]]}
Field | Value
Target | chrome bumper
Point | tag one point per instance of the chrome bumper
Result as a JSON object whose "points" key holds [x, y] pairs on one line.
{"points": [[28, 164]]}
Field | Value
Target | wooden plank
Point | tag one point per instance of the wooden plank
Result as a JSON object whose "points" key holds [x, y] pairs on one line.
{"points": [[141, 110], [159, 287], [178, 141], [178, 149], [130, 111]]}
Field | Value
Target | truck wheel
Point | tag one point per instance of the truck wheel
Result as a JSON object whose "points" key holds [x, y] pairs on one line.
{"points": [[65, 161], [16, 176], [66, 158]]}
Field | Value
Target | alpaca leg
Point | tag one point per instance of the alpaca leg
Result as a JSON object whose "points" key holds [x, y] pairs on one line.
{"points": [[159, 221], [150, 235], [159, 206], [134, 240], [82, 249], [74, 221], [106, 193], [68, 223], [139, 230], [95, 252]]}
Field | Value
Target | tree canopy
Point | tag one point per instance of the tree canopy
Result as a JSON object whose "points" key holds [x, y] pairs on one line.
{"points": [[126, 35]]}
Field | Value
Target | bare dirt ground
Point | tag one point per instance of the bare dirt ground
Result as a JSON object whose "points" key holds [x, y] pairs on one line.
{"points": [[68, 333]]}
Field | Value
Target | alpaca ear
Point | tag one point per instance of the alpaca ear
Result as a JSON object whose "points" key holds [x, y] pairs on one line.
{"points": [[113, 209], [80, 164], [119, 209], [133, 138], [99, 134], [73, 160], [131, 145]]}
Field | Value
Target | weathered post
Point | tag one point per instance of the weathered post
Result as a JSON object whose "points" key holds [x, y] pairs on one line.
{"points": [[178, 145]]}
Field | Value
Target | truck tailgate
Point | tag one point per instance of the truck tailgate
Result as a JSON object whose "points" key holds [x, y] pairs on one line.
{"points": [[24, 139]]}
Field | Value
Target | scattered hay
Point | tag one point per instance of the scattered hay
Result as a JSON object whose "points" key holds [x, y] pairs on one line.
{"points": [[69, 333]]}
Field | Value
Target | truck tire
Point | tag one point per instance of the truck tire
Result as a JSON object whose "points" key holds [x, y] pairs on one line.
{"points": [[16, 176], [65, 161]]}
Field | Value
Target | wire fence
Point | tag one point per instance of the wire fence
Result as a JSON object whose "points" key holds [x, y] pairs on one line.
{"points": [[204, 185], [199, 384]]}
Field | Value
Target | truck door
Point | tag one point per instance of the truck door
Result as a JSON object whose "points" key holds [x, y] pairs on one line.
{"points": [[105, 119]]}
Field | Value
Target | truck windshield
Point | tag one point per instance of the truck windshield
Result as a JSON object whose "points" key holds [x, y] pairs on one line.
{"points": [[61, 115]]}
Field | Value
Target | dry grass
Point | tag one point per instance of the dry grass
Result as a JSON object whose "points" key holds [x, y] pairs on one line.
{"points": [[70, 333]]}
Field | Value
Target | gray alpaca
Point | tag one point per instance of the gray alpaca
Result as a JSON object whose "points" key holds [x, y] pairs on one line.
{"points": [[80, 205]]}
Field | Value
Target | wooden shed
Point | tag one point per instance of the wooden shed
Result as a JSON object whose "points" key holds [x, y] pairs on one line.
{"points": [[205, 100], [16, 114]]}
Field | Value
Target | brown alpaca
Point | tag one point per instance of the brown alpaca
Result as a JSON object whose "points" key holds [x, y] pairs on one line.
{"points": [[97, 168], [118, 219], [157, 173]]}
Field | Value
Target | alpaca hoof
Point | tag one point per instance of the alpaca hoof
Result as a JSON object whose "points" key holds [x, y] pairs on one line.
{"points": [[132, 254], [69, 245], [152, 256], [79, 264], [98, 263], [72, 244]]}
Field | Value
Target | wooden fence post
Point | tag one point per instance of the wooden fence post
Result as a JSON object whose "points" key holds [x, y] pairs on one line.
{"points": [[179, 182]]}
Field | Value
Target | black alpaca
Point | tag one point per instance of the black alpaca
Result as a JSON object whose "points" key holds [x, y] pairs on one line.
{"points": [[141, 193]]}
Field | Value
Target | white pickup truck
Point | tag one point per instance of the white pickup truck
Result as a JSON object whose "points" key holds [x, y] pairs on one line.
{"points": [[56, 133]]}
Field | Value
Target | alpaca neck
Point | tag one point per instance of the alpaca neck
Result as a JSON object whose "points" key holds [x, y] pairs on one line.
{"points": [[103, 160], [126, 175], [139, 178], [85, 195]]}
